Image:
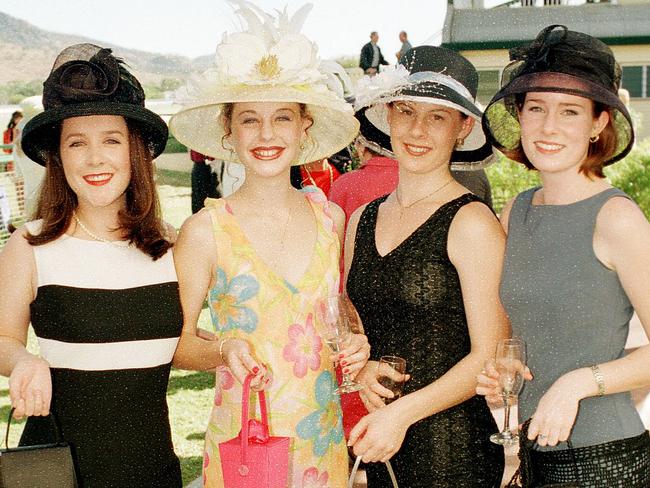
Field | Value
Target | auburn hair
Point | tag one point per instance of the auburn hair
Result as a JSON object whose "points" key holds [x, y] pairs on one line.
{"points": [[597, 153], [141, 218]]}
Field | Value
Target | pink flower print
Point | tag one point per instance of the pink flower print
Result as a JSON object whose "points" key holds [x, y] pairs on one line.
{"points": [[224, 381], [304, 347], [311, 478]]}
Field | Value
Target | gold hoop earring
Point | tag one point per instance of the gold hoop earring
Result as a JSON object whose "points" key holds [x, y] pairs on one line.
{"points": [[223, 145], [595, 138]]}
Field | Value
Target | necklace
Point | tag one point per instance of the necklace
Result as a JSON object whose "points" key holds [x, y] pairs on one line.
{"points": [[94, 236], [403, 207]]}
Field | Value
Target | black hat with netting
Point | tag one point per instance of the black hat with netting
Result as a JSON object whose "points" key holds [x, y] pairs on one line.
{"points": [[88, 80], [559, 61]]}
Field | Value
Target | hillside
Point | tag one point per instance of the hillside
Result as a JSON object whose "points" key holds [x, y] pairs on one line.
{"points": [[27, 53]]}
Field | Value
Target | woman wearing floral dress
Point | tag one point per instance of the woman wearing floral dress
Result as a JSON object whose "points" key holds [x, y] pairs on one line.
{"points": [[267, 253]]}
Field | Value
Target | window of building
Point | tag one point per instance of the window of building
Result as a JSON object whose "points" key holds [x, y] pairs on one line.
{"points": [[636, 80], [488, 84]]}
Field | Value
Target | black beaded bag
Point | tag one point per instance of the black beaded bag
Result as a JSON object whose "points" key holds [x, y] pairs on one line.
{"points": [[620, 463], [42, 466]]}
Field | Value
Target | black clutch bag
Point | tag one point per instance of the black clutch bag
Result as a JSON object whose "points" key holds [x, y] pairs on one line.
{"points": [[42, 466]]}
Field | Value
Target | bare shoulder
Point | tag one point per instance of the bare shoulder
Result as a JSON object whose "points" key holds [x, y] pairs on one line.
{"points": [[17, 246], [338, 215], [474, 219], [17, 258], [197, 227], [621, 220], [504, 216]]}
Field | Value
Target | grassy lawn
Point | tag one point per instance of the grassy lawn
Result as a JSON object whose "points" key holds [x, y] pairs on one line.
{"points": [[190, 393]]}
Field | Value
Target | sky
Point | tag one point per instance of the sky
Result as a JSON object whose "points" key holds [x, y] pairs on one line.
{"points": [[194, 27]]}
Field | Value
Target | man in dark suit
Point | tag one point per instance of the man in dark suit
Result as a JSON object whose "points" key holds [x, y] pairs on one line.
{"points": [[371, 56]]}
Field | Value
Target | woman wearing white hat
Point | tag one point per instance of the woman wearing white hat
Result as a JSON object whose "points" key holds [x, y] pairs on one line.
{"points": [[265, 254]]}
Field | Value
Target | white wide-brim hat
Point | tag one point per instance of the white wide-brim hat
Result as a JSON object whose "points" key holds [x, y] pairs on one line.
{"points": [[268, 61], [199, 125]]}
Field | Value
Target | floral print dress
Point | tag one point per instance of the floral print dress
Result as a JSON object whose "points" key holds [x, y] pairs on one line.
{"points": [[250, 301]]}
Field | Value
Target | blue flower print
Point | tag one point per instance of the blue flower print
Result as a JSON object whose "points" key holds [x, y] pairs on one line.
{"points": [[227, 300], [325, 425]]}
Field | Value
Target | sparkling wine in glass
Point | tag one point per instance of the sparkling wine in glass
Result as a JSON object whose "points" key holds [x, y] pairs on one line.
{"points": [[334, 328], [510, 364], [399, 365]]}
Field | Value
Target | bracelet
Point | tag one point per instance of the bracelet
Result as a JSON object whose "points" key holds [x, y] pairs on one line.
{"points": [[600, 379], [223, 341]]}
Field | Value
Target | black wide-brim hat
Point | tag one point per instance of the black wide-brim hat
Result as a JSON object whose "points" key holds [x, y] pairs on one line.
{"points": [[439, 76], [88, 80], [559, 61], [373, 138]]}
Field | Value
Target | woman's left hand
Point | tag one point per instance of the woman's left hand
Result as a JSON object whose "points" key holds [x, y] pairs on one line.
{"points": [[355, 355], [556, 412], [379, 435]]}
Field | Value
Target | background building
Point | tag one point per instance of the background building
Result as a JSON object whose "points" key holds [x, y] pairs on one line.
{"points": [[484, 30]]}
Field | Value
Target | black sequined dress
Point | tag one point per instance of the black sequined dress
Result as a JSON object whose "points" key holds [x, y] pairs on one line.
{"points": [[411, 306]]}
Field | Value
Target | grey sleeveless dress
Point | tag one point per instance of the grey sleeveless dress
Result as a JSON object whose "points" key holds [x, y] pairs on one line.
{"points": [[569, 308]]}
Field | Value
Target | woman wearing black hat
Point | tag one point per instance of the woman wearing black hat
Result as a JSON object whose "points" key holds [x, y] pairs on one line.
{"points": [[577, 264], [95, 277], [424, 264]]}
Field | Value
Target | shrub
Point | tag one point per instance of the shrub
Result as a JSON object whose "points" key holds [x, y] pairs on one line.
{"points": [[508, 179], [173, 146]]}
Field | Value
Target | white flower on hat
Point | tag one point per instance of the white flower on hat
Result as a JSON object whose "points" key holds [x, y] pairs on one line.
{"points": [[270, 50], [371, 88]]}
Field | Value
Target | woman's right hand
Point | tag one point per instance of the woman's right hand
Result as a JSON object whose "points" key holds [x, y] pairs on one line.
{"points": [[374, 394], [237, 355], [30, 387], [488, 383]]}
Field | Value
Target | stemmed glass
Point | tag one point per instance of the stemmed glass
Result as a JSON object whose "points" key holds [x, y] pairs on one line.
{"points": [[399, 365], [333, 325], [510, 364]]}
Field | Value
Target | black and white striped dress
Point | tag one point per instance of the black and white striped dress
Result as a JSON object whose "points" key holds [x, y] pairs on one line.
{"points": [[108, 319]]}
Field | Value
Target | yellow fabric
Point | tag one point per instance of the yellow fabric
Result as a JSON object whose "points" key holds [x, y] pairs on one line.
{"points": [[251, 302]]}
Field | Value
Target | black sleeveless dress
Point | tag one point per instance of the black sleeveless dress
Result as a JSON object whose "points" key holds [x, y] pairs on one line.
{"points": [[411, 306]]}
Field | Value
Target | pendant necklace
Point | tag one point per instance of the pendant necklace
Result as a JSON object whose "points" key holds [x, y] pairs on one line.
{"points": [[403, 207]]}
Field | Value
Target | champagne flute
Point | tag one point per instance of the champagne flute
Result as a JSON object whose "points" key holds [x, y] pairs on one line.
{"points": [[334, 328], [399, 365], [510, 364]]}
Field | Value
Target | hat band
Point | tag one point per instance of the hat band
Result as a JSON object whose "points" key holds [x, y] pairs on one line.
{"points": [[441, 79]]}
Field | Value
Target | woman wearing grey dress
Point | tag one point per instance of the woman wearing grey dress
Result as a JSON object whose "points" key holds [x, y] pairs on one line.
{"points": [[577, 264]]}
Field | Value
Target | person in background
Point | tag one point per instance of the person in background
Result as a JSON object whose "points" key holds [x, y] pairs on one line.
{"points": [[406, 45], [423, 266], [94, 275], [205, 182], [265, 255], [577, 264], [371, 57], [9, 134]]}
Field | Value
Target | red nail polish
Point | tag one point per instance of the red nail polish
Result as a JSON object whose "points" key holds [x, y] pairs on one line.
{"points": [[340, 356], [344, 363], [256, 370], [346, 371]]}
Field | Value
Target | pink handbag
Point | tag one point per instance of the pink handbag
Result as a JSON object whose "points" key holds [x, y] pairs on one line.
{"points": [[253, 459]]}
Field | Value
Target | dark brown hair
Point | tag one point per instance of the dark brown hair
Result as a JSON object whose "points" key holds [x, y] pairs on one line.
{"points": [[598, 152], [141, 219]]}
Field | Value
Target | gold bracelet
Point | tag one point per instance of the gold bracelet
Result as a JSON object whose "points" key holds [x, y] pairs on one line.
{"points": [[223, 341], [600, 379]]}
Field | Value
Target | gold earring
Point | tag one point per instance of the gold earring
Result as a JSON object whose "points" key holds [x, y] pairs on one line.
{"points": [[223, 145], [595, 138], [459, 143]]}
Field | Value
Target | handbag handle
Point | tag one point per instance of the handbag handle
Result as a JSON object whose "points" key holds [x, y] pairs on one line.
{"points": [[243, 468], [356, 467], [59, 437]]}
